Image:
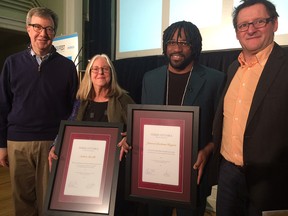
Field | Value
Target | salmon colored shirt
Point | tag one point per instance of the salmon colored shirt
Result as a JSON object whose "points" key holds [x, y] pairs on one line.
{"points": [[237, 103]]}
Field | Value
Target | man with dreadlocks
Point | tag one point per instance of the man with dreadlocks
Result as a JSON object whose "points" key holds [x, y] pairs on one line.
{"points": [[185, 82]]}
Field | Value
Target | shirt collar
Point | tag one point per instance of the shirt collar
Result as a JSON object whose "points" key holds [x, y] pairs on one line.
{"points": [[41, 58], [260, 58]]}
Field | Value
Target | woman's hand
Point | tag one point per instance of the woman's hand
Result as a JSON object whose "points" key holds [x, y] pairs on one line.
{"points": [[52, 156], [123, 145]]}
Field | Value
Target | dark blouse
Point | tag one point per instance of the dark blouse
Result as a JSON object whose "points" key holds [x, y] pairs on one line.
{"points": [[96, 111]]}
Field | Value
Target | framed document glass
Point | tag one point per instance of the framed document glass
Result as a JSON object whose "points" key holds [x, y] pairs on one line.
{"points": [[165, 145], [83, 180]]}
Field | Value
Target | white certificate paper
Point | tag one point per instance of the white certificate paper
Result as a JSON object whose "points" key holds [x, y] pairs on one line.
{"points": [[85, 168], [161, 147]]}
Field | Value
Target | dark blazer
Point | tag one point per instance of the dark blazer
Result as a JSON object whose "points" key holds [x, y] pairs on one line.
{"points": [[204, 89], [265, 147]]}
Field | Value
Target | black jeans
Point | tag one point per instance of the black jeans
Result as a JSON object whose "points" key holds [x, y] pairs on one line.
{"points": [[232, 194]]}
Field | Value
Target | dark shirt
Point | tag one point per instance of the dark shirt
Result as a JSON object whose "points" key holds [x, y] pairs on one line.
{"points": [[96, 111], [177, 87]]}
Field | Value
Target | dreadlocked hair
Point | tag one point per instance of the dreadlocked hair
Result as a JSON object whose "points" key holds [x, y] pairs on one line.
{"points": [[192, 34]]}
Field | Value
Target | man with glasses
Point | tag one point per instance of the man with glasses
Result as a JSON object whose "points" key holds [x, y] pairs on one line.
{"points": [[37, 90], [250, 127], [185, 82]]}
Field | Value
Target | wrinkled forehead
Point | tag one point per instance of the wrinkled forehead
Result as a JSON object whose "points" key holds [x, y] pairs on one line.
{"points": [[44, 21], [252, 12], [100, 61]]}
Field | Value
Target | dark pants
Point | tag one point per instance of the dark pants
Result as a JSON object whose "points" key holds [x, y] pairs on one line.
{"points": [[232, 194], [158, 210]]}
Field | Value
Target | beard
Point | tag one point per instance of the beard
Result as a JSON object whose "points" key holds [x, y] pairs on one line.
{"points": [[182, 64]]}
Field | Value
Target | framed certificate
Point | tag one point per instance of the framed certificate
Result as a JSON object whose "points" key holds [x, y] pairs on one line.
{"points": [[165, 144], [83, 180]]}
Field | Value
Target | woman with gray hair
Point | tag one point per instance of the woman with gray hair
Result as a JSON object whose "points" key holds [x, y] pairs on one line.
{"points": [[101, 99]]}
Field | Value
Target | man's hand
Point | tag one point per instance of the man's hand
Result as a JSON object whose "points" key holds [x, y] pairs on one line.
{"points": [[4, 157], [202, 158]]}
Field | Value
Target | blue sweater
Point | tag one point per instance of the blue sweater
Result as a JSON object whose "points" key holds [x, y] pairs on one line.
{"points": [[35, 98]]}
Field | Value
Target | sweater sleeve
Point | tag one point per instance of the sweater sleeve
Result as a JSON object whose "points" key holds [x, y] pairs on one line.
{"points": [[75, 110], [6, 98]]}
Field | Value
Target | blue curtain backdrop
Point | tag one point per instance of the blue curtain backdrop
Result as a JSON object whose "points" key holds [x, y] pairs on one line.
{"points": [[98, 29]]}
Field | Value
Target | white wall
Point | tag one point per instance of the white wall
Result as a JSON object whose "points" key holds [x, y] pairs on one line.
{"points": [[13, 15], [70, 16], [141, 35]]}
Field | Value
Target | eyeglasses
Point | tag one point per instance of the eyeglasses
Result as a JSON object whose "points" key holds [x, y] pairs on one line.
{"points": [[38, 28], [97, 70], [259, 23], [173, 43]]}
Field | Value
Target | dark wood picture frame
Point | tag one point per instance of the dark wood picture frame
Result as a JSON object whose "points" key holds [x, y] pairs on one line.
{"points": [[83, 181], [164, 140]]}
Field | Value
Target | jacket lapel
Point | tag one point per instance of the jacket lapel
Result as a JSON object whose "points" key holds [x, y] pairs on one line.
{"points": [[161, 86], [196, 81], [268, 75]]}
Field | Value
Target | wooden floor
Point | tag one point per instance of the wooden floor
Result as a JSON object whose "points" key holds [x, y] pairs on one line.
{"points": [[5, 195]]}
